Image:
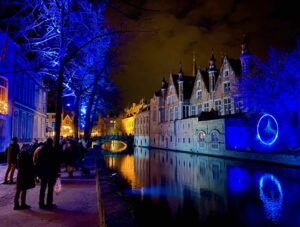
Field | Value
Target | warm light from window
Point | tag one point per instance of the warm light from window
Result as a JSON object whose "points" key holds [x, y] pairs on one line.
{"points": [[3, 107]]}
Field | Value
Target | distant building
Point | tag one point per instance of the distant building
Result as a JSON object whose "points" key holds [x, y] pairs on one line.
{"points": [[67, 124], [142, 127], [22, 96], [106, 126], [50, 124], [129, 118]]}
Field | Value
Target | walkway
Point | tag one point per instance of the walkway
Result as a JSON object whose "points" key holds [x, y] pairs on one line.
{"points": [[76, 203]]}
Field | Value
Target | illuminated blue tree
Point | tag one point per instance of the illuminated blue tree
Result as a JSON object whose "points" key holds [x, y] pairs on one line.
{"points": [[66, 41], [274, 87]]}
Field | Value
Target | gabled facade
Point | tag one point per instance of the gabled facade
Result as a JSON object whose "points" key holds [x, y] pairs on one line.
{"points": [[177, 108]]}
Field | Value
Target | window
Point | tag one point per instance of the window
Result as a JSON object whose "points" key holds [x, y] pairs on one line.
{"points": [[202, 136], [218, 105], [226, 73], [176, 113], [227, 106], [3, 96], [168, 99], [171, 114], [238, 105], [226, 87], [193, 110], [166, 115], [185, 111], [199, 94], [199, 107], [206, 107], [214, 139], [198, 83]]}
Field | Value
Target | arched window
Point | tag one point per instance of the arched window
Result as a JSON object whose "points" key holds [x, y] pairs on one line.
{"points": [[202, 136], [215, 139]]}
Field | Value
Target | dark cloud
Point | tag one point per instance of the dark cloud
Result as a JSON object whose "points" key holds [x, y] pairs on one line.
{"points": [[187, 26]]}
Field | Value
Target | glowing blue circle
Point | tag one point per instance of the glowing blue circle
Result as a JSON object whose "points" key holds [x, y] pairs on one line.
{"points": [[272, 134]]}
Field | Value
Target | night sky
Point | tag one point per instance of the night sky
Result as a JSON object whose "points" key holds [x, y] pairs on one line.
{"points": [[173, 29]]}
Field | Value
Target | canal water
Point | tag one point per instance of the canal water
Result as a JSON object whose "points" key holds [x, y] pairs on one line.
{"points": [[169, 188]]}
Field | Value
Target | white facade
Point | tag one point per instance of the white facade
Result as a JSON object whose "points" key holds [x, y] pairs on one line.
{"points": [[26, 97]]}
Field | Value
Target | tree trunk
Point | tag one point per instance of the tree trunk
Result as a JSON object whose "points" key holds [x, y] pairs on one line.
{"points": [[76, 117], [88, 114], [60, 81], [58, 106]]}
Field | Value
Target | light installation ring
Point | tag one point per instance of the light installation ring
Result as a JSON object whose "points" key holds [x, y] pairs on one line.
{"points": [[268, 128]]}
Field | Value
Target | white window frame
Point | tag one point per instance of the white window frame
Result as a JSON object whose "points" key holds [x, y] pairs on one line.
{"points": [[226, 87], [199, 94]]}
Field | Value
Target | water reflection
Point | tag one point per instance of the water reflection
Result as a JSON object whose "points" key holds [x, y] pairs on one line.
{"points": [[114, 146], [271, 194], [180, 189]]}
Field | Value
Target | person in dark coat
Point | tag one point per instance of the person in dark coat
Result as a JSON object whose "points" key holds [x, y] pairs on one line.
{"points": [[34, 146], [47, 165], [25, 177], [70, 158], [12, 151]]}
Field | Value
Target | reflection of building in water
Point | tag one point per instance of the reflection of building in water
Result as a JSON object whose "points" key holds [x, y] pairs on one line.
{"points": [[142, 165], [125, 166], [185, 176]]}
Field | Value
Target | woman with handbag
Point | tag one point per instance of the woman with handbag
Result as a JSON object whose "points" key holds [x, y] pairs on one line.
{"points": [[25, 177]]}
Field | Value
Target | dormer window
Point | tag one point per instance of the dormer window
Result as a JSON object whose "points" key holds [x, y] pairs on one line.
{"points": [[199, 94], [226, 73]]}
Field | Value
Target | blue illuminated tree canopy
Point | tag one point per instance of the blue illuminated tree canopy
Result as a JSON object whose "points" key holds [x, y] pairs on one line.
{"points": [[67, 41], [274, 88]]}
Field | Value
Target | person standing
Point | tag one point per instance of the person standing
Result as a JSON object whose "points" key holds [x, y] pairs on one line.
{"points": [[12, 151], [47, 165], [25, 177]]}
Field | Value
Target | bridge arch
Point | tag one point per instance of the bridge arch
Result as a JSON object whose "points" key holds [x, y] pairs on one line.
{"points": [[114, 143]]}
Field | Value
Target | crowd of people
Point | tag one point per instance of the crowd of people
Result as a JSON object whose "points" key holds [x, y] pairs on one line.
{"points": [[41, 163]]}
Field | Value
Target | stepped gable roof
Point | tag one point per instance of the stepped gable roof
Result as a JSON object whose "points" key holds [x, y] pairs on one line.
{"points": [[188, 84], [236, 65]]}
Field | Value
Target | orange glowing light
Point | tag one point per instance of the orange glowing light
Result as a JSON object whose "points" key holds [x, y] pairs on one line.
{"points": [[3, 107]]}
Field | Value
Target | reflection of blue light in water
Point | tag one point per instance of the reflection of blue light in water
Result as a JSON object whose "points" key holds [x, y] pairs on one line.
{"points": [[267, 129], [238, 179], [153, 191], [270, 193]]}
